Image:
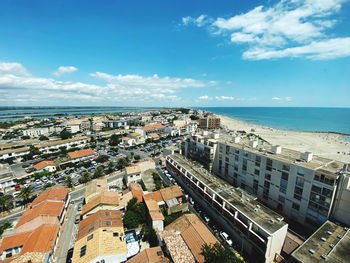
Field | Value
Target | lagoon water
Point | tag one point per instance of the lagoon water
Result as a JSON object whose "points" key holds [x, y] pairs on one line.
{"points": [[291, 118]]}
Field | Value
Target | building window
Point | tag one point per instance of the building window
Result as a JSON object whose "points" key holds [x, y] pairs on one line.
{"points": [[256, 172], [286, 167], [268, 176], [108, 223], [236, 157], [301, 171], [90, 237], [283, 186], [284, 176], [91, 228], [115, 234], [82, 251], [108, 213], [281, 198], [296, 206], [299, 181]]}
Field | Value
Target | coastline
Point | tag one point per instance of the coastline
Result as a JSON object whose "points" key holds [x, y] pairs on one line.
{"points": [[325, 144]]}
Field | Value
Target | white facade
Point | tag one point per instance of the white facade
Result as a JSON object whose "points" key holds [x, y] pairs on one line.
{"points": [[73, 128], [36, 132]]}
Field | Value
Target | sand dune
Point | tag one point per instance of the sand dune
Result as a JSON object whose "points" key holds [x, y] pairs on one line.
{"points": [[327, 145]]}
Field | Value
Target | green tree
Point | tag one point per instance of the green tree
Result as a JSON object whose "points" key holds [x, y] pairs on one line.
{"points": [[131, 203], [114, 140], [85, 177], [132, 155], [25, 194], [131, 219], [137, 157], [5, 201], [5, 226], [33, 150], [68, 181], [25, 137], [48, 185], [99, 172], [148, 234], [65, 134], [219, 253], [111, 166], [43, 138], [194, 117], [122, 162]]}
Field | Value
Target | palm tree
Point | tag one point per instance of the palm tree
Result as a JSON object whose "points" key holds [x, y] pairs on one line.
{"points": [[99, 172], [25, 194], [5, 201], [68, 181], [85, 177]]}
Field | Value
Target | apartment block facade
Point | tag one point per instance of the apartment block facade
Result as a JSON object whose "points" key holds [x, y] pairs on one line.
{"points": [[301, 186], [256, 229], [209, 123]]}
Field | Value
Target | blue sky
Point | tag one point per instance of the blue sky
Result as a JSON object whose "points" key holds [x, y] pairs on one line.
{"points": [[175, 53]]}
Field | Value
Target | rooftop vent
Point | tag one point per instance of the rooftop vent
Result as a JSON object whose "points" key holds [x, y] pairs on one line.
{"points": [[236, 139], [324, 256], [248, 200], [257, 206], [323, 239], [340, 236], [242, 201], [312, 251], [331, 245], [279, 219], [256, 209], [329, 233], [271, 220], [277, 149], [253, 144], [307, 156]]}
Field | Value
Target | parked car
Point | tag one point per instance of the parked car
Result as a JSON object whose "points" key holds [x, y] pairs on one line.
{"points": [[15, 194], [17, 187], [80, 206], [77, 219]]}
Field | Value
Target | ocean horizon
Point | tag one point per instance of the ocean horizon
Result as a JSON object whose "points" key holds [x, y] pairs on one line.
{"points": [[313, 119]]}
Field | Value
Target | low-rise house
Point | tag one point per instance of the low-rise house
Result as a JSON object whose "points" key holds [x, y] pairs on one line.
{"points": [[136, 191], [150, 255], [146, 164], [154, 136], [31, 245], [101, 238], [155, 216], [6, 176], [132, 174], [152, 128], [47, 212], [81, 155], [94, 188], [68, 143], [45, 166], [185, 237], [55, 194], [105, 200], [173, 131], [138, 137], [127, 141], [14, 153]]}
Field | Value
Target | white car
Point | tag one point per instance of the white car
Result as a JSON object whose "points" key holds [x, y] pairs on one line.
{"points": [[15, 194]]}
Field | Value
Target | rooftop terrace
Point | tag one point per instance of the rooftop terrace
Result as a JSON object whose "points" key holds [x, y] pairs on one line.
{"points": [[238, 198]]}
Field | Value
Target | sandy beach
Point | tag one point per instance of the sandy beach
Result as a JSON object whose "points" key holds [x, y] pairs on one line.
{"points": [[328, 145]]}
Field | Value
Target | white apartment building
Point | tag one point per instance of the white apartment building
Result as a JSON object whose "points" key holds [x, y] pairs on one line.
{"points": [[306, 188], [257, 230], [36, 132]]}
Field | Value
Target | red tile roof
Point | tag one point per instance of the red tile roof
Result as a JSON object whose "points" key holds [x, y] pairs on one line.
{"points": [[156, 196], [150, 255], [156, 126], [81, 153], [43, 164], [136, 191], [171, 192], [46, 208], [14, 241], [42, 239], [53, 194]]}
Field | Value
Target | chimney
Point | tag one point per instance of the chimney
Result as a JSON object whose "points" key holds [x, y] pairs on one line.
{"points": [[307, 156], [253, 144], [277, 149]]}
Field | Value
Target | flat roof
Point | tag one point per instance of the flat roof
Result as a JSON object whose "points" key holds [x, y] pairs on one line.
{"points": [[245, 203], [330, 241], [287, 155]]}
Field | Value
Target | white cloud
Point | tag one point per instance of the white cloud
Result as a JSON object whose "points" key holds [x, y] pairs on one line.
{"points": [[200, 21], [221, 98], [280, 100], [126, 89], [288, 98], [276, 98], [289, 28], [205, 97], [64, 69]]}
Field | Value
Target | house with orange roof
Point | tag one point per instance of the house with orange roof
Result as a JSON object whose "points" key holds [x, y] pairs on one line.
{"points": [[94, 188], [152, 128], [150, 255], [42, 240], [190, 233], [128, 141], [45, 166], [146, 164], [81, 155], [46, 212], [105, 200], [155, 216], [55, 194], [153, 136], [136, 191], [138, 137]]}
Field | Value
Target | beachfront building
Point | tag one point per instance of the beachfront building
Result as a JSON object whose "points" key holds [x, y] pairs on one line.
{"points": [[209, 123], [36, 132], [330, 243], [201, 149], [255, 229], [308, 189], [101, 238]]}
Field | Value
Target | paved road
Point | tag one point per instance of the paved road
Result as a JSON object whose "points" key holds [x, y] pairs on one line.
{"points": [[12, 217]]}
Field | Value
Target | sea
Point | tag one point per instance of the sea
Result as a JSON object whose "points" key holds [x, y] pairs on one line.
{"points": [[291, 118], [18, 113]]}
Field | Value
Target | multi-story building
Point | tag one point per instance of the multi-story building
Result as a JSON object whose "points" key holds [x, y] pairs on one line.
{"points": [[304, 187], [255, 229], [209, 123], [152, 128], [201, 149], [36, 132]]}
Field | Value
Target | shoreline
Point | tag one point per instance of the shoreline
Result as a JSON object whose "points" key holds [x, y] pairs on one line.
{"points": [[330, 145]]}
